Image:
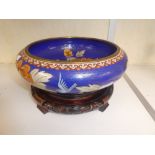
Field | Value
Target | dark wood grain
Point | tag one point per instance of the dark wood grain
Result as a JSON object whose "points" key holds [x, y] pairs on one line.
{"points": [[72, 103]]}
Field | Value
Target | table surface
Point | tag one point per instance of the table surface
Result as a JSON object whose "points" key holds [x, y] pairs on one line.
{"points": [[125, 114], [144, 78]]}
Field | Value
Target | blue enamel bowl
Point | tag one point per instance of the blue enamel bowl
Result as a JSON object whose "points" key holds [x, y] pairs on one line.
{"points": [[72, 65]]}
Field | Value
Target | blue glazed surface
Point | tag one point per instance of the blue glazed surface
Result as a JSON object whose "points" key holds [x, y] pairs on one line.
{"points": [[77, 81], [53, 49]]}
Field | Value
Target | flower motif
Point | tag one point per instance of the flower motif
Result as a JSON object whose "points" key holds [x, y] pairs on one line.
{"points": [[92, 87], [36, 77], [24, 71], [19, 64], [80, 53], [40, 77], [68, 52]]}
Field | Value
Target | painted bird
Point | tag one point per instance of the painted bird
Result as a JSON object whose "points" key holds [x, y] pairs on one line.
{"points": [[63, 88]]}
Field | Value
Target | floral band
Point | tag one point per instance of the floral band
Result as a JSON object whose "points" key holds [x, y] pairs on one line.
{"points": [[71, 66]]}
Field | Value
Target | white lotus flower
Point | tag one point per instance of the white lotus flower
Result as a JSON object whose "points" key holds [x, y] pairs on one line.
{"points": [[40, 77], [92, 87]]}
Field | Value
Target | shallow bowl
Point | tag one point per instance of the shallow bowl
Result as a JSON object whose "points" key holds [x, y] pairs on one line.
{"points": [[71, 65]]}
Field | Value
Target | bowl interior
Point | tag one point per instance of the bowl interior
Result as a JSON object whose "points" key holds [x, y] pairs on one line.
{"points": [[71, 49]]}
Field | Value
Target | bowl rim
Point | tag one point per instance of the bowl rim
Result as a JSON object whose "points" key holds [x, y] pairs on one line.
{"points": [[118, 50]]}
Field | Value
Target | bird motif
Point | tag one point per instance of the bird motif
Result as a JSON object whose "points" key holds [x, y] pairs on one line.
{"points": [[63, 88]]}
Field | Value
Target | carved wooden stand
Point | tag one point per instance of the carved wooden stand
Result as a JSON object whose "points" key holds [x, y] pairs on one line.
{"points": [[72, 104]]}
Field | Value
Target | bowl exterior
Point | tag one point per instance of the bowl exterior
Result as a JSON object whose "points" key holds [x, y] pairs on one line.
{"points": [[73, 78]]}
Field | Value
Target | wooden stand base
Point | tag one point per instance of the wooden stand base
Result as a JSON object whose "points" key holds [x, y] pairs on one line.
{"points": [[72, 104]]}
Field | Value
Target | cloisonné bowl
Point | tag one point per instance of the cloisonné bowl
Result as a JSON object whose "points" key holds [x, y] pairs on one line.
{"points": [[72, 65]]}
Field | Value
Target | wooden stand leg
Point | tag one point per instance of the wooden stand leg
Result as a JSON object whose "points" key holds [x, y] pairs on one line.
{"points": [[104, 107], [42, 109]]}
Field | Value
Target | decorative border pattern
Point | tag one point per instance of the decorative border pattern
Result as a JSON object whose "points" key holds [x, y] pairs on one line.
{"points": [[71, 66]]}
